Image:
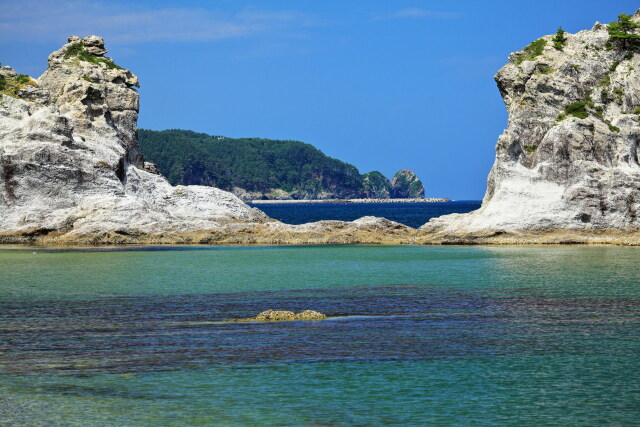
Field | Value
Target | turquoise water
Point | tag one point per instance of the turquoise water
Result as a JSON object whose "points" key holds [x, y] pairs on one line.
{"points": [[420, 335]]}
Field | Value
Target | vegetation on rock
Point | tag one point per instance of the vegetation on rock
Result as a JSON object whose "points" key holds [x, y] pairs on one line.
{"points": [[622, 32], [405, 184], [376, 185], [12, 85], [577, 109], [559, 40], [544, 69], [77, 50], [269, 169], [533, 50]]}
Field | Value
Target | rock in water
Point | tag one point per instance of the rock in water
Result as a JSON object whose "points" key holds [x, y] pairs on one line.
{"points": [[70, 160], [406, 185], [376, 186], [284, 316], [569, 158]]}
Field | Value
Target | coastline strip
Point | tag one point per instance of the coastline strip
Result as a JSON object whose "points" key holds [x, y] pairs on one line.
{"points": [[287, 201]]}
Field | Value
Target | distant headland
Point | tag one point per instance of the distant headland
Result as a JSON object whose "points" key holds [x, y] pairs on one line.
{"points": [[267, 169]]}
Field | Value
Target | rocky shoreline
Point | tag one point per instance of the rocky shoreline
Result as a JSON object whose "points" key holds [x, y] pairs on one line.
{"points": [[364, 231]]}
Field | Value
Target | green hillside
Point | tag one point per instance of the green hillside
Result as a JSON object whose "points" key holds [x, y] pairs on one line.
{"points": [[253, 164]]}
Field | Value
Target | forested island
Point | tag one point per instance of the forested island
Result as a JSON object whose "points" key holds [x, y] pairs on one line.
{"points": [[257, 168]]}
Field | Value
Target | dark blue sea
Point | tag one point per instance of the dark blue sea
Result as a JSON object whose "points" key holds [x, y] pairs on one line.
{"points": [[411, 214]]}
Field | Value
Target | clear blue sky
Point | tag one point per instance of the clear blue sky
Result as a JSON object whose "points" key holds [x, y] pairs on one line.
{"points": [[383, 85]]}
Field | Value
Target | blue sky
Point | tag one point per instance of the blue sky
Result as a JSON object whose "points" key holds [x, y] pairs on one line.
{"points": [[383, 85]]}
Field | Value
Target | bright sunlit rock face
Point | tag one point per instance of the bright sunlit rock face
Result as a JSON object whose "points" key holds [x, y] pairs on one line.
{"points": [[569, 158], [70, 160]]}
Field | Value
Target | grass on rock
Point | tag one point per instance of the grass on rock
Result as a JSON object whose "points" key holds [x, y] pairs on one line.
{"points": [[12, 85], [533, 50], [77, 50]]}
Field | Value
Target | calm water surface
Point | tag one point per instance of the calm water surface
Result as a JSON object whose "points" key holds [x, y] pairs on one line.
{"points": [[421, 335], [411, 214]]}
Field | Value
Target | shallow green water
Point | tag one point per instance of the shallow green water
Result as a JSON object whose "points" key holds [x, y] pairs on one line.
{"points": [[422, 335]]}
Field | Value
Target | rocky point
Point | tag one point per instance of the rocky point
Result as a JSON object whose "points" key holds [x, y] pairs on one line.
{"points": [[70, 161], [568, 161]]}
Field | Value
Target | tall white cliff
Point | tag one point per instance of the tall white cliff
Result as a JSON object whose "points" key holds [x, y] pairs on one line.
{"points": [[70, 160], [569, 157]]}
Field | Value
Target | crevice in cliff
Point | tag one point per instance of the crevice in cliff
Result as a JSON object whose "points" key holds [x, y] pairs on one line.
{"points": [[121, 171], [94, 103], [8, 176], [631, 208], [602, 200]]}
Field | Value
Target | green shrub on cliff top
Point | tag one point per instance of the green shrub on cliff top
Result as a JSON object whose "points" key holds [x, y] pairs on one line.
{"points": [[622, 33], [76, 50], [22, 79], [559, 40], [533, 50]]}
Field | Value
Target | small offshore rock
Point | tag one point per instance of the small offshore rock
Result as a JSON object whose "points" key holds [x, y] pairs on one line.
{"points": [[284, 316]]}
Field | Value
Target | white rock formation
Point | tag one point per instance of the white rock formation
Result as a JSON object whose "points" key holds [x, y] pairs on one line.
{"points": [[70, 161], [553, 170]]}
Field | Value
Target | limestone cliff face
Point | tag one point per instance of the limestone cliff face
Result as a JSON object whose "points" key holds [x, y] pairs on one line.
{"points": [[70, 160], [569, 157]]}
